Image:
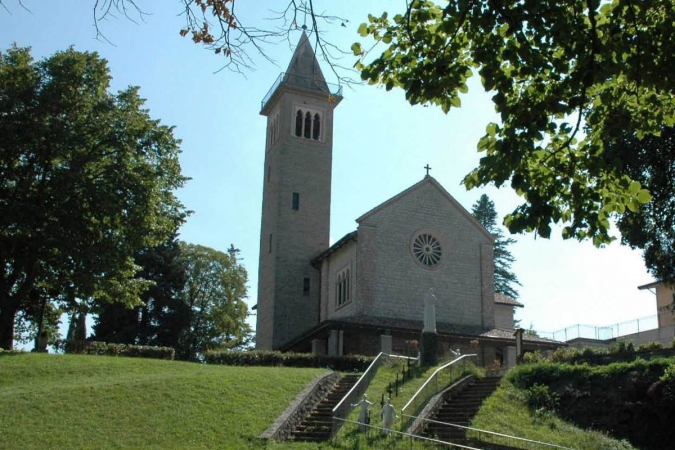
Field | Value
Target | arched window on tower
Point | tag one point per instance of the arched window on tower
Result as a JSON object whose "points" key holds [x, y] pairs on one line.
{"points": [[316, 130], [298, 123], [308, 125]]}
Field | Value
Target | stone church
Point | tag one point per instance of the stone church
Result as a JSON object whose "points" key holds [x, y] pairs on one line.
{"points": [[364, 294]]}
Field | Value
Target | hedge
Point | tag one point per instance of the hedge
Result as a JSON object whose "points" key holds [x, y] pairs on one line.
{"points": [[348, 363], [109, 349]]}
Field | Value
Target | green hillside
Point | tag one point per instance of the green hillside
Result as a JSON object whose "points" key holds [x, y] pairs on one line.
{"points": [[97, 402]]}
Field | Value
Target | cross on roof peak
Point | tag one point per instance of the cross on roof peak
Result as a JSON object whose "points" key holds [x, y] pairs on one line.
{"points": [[427, 169]]}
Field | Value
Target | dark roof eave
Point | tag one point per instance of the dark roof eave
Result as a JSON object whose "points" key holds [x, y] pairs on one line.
{"points": [[335, 247]]}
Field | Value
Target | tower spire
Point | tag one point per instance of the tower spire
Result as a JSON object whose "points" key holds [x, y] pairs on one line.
{"points": [[304, 70]]}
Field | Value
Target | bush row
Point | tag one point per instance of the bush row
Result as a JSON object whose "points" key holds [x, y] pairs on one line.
{"points": [[11, 352], [619, 350], [549, 373], [104, 348], [348, 363]]}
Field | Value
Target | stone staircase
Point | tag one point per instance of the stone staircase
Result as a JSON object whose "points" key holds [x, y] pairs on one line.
{"points": [[318, 424], [460, 410]]}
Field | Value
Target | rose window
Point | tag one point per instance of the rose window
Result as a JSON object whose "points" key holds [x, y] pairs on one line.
{"points": [[427, 249]]}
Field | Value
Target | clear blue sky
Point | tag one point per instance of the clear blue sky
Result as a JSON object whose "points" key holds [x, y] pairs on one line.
{"points": [[381, 145]]}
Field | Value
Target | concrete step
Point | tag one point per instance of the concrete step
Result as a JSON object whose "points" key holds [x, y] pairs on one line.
{"points": [[317, 426]]}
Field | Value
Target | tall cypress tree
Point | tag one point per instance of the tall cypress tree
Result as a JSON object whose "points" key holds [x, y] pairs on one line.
{"points": [[505, 280]]}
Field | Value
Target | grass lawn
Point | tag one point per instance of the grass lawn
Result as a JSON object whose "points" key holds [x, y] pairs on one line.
{"points": [[507, 411], [98, 402]]}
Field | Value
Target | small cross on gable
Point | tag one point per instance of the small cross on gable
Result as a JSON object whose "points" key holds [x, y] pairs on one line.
{"points": [[427, 168]]}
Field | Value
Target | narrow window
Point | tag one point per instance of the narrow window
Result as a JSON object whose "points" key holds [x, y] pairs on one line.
{"points": [[316, 131], [308, 125], [270, 249], [339, 290], [347, 287], [296, 201], [305, 287], [268, 173], [298, 123]]}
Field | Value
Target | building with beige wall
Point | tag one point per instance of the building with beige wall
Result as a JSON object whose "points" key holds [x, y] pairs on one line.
{"points": [[364, 294], [665, 301]]}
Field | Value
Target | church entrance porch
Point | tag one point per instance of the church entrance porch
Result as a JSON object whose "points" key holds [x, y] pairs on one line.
{"points": [[361, 337]]}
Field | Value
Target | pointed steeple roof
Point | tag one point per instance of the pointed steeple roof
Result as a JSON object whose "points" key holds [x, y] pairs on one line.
{"points": [[303, 70]]}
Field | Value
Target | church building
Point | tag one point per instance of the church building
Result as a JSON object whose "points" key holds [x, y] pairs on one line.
{"points": [[364, 294]]}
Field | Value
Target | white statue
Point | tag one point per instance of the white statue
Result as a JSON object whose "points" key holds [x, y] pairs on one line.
{"points": [[363, 414], [429, 312], [456, 353], [388, 415]]}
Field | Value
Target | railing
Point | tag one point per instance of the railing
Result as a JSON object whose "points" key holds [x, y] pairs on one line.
{"points": [[438, 381], [342, 409], [358, 435], [580, 331], [329, 88], [500, 438]]}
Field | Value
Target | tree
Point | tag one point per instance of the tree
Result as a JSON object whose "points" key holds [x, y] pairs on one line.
{"points": [[505, 280], [220, 28], [568, 79], [651, 162], [163, 315], [86, 181], [214, 293]]}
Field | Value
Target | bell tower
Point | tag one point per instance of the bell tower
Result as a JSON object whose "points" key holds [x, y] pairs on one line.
{"points": [[295, 221]]}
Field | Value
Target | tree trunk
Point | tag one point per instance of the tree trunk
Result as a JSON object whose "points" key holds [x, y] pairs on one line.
{"points": [[8, 310]]}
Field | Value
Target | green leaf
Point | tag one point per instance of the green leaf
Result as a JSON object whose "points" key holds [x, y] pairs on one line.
{"points": [[363, 30], [356, 49], [644, 196], [491, 129], [634, 188]]}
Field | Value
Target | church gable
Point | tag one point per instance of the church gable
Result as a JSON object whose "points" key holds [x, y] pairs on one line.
{"points": [[421, 239], [421, 191]]}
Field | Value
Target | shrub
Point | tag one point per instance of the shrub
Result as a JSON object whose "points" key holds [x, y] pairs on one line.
{"points": [[4, 352], [540, 396], [104, 348], [650, 346], [565, 354], [621, 347], [669, 374], [346, 363], [533, 357]]}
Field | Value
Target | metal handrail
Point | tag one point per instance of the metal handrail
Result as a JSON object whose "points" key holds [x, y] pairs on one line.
{"points": [[493, 433], [333, 89], [410, 436], [433, 375], [341, 410]]}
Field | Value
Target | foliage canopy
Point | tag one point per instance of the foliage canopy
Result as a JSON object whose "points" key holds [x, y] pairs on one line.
{"points": [[505, 280], [568, 79], [87, 179], [214, 294]]}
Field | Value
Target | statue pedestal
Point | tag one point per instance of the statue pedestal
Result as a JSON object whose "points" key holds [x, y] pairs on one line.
{"points": [[429, 349]]}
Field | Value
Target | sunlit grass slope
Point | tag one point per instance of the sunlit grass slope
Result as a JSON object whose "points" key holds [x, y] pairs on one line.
{"points": [[507, 411], [96, 402]]}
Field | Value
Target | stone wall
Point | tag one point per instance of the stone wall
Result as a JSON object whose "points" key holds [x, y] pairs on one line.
{"points": [[397, 282], [503, 316], [293, 165]]}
